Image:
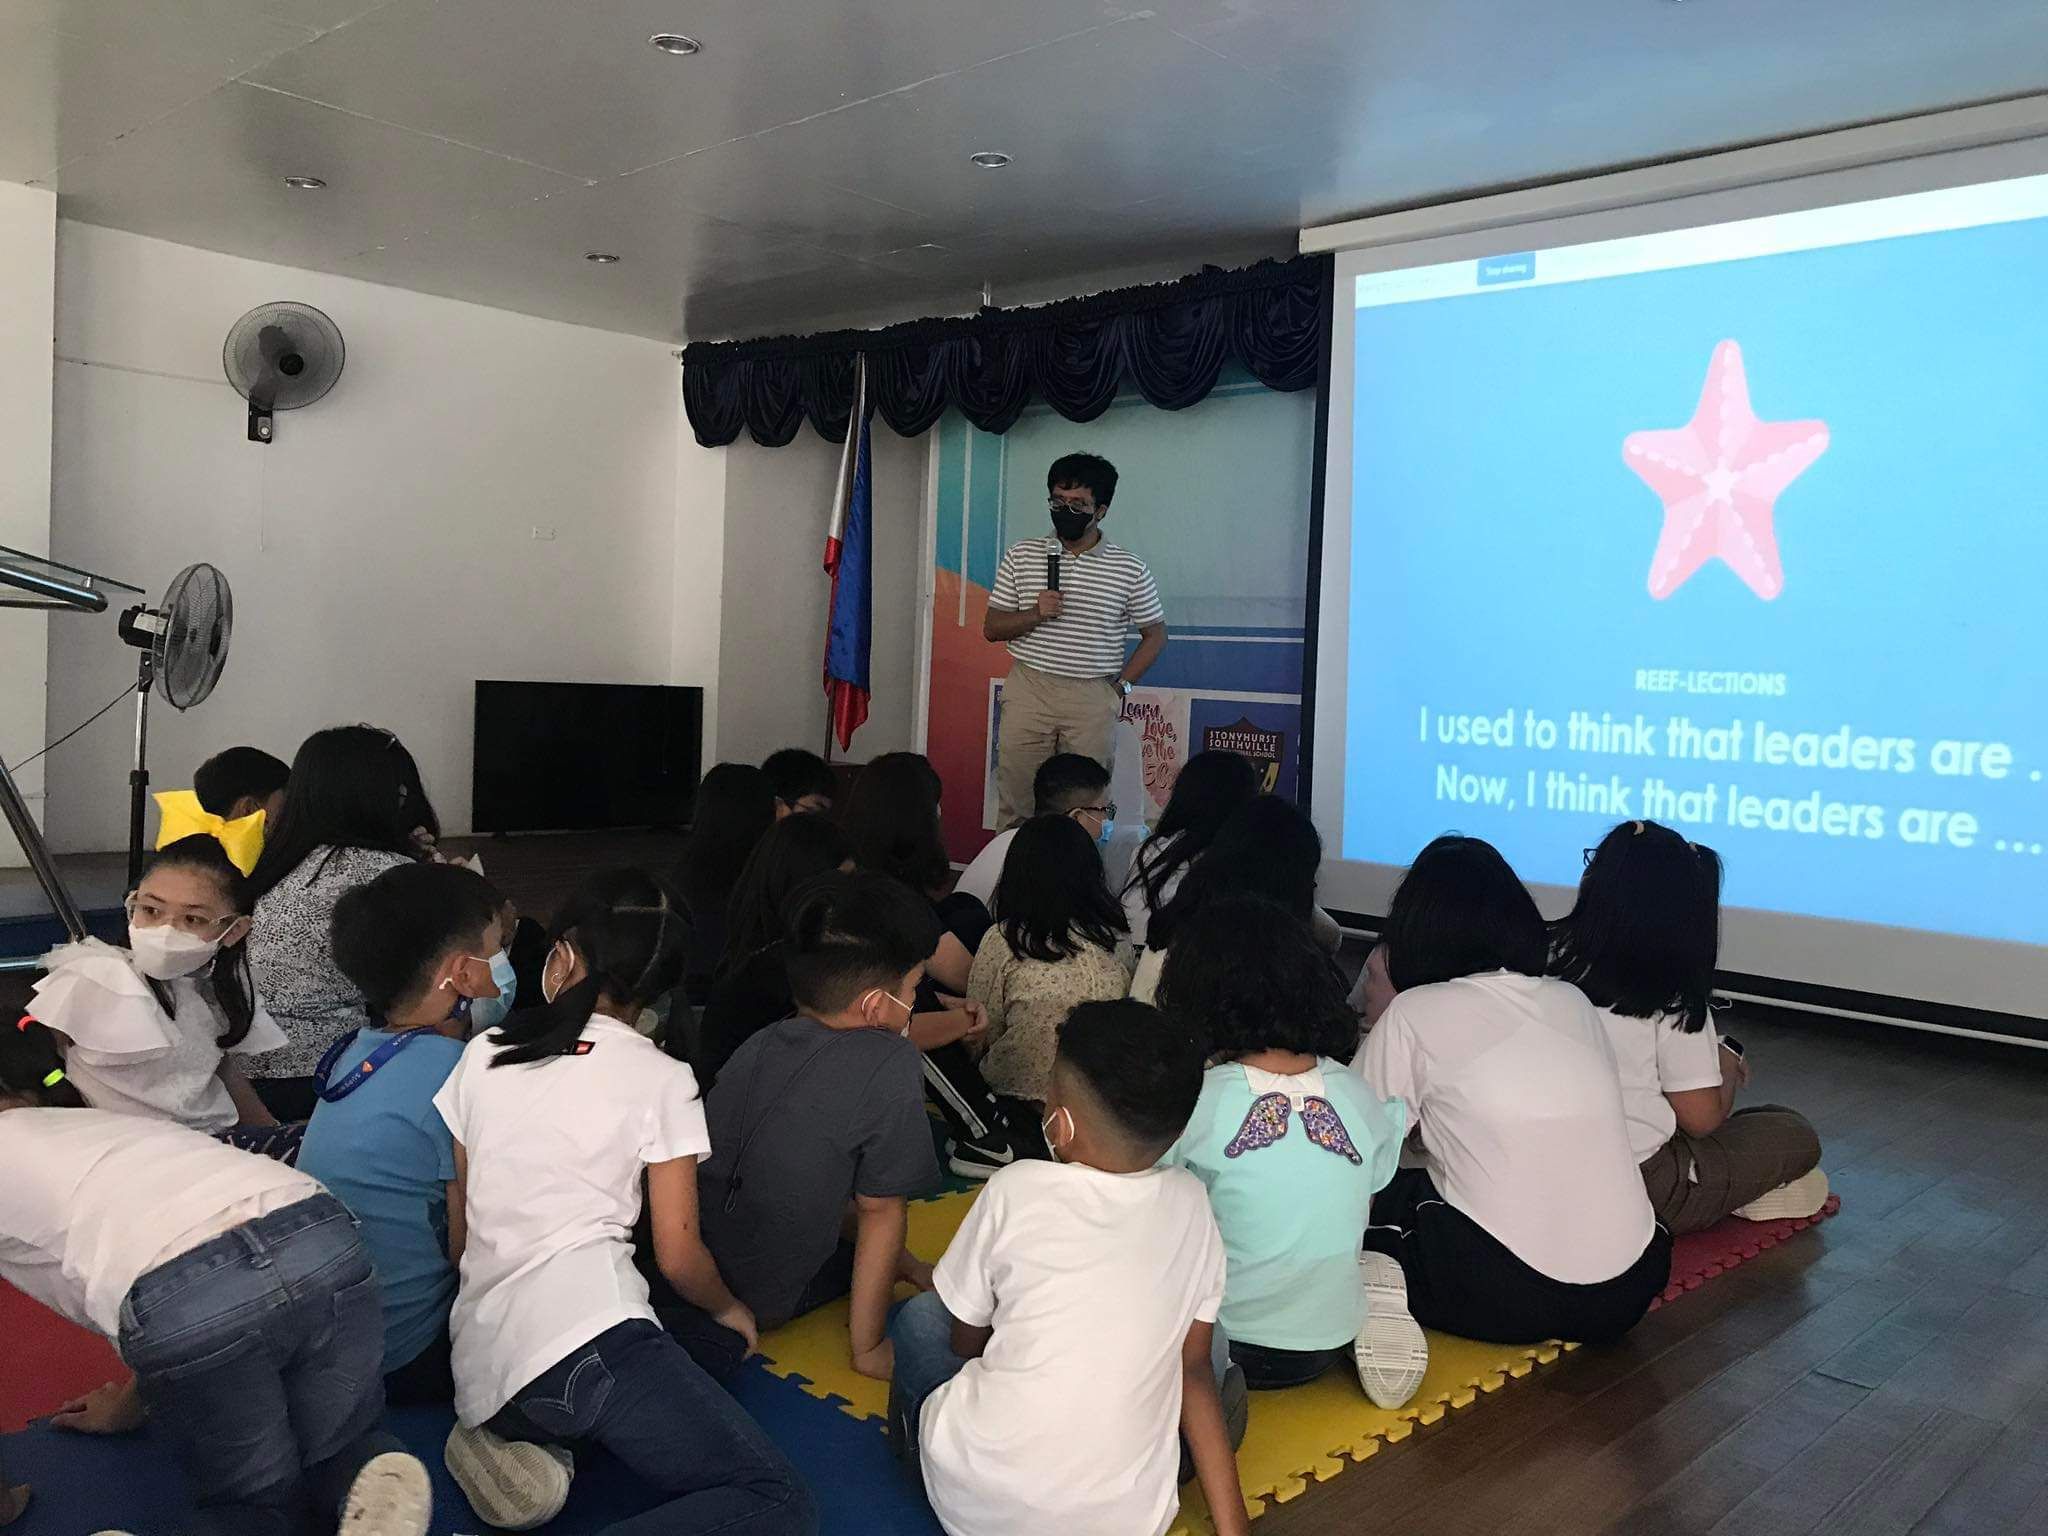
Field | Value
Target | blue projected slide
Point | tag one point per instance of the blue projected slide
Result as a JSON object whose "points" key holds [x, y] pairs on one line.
{"points": [[1741, 529]]}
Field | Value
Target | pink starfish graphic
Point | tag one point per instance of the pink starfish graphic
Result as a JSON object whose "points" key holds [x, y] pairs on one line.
{"points": [[1720, 476]]}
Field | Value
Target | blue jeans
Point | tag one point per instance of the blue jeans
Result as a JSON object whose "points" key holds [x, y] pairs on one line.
{"points": [[260, 1357], [636, 1392], [922, 1333]]}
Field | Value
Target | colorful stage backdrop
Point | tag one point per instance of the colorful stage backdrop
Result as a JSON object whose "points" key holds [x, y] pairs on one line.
{"points": [[1216, 499]]}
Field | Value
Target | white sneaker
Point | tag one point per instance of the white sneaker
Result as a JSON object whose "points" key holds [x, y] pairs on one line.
{"points": [[1391, 1351], [391, 1496], [514, 1484], [1803, 1197]]}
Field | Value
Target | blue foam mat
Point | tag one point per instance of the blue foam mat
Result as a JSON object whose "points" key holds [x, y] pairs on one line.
{"points": [[84, 1484]]}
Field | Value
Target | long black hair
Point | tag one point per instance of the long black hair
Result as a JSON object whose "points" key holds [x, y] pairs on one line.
{"points": [[1461, 911], [633, 931], [32, 1068], [1246, 975], [1644, 935], [1268, 847], [1210, 787], [227, 974], [1051, 898], [795, 849], [892, 820], [735, 805], [352, 786]]}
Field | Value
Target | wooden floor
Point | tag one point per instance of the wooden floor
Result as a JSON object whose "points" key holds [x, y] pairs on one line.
{"points": [[1884, 1374]]}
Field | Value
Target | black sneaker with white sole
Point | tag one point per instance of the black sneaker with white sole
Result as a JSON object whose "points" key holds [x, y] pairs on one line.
{"points": [[979, 1159]]}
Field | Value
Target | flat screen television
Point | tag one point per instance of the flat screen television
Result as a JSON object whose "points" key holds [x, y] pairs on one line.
{"points": [[557, 757]]}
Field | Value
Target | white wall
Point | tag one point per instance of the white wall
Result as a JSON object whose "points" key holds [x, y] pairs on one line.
{"points": [[380, 549], [772, 633], [699, 571], [28, 234]]}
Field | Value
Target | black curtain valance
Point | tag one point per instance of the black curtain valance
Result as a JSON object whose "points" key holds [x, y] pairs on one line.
{"points": [[1168, 340]]}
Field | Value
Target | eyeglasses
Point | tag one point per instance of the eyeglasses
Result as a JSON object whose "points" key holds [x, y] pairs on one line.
{"points": [[155, 913], [1061, 504], [1107, 810]]}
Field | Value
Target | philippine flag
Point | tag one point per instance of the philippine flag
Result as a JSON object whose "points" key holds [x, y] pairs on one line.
{"points": [[849, 553]]}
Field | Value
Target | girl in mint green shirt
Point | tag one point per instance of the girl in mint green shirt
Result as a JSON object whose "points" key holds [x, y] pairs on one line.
{"points": [[1291, 1143]]}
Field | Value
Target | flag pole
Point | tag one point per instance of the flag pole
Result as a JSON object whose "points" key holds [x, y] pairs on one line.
{"points": [[849, 464]]}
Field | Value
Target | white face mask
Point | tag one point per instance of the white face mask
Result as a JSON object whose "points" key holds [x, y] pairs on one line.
{"points": [[550, 991], [164, 953], [1045, 1129], [908, 1008]]}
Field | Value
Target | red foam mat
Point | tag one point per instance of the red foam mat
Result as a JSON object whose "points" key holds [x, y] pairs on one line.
{"points": [[45, 1361], [1699, 1256]]}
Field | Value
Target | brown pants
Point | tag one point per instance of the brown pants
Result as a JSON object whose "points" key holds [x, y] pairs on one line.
{"points": [[1044, 714], [1754, 1151]]}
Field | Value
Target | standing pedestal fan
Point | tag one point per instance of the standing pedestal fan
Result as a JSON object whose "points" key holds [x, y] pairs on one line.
{"points": [[184, 645]]}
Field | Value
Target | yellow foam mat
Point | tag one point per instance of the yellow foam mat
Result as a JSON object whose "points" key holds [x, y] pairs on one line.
{"points": [[811, 1352], [1296, 1436]]}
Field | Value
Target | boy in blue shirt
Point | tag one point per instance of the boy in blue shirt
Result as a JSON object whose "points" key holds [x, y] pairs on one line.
{"points": [[419, 942]]}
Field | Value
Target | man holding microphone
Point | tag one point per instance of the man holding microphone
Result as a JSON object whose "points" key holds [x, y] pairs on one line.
{"points": [[1064, 606]]}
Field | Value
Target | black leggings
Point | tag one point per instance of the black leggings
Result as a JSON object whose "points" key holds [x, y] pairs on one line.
{"points": [[1271, 1370], [1463, 1280]]}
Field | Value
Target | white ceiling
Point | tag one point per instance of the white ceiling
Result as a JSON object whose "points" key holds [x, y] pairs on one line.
{"points": [[810, 166]]}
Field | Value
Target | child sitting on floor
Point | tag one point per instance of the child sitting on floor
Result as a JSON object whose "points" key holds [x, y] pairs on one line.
{"points": [[154, 1030], [417, 942], [1071, 1321], [557, 1119], [1056, 942], [1641, 943], [234, 1287], [1292, 1147], [818, 1122], [237, 796]]}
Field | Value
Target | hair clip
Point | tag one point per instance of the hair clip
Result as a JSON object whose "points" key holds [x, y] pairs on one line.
{"points": [[1638, 828], [24, 1021], [53, 1077]]}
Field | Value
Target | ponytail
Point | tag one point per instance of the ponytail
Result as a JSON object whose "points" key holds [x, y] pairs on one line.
{"points": [[234, 989], [633, 932], [32, 1068]]}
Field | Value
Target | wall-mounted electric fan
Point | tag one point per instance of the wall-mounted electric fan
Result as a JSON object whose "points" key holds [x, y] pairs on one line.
{"points": [[279, 357]]}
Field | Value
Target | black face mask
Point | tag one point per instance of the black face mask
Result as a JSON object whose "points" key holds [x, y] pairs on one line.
{"points": [[1069, 524]]}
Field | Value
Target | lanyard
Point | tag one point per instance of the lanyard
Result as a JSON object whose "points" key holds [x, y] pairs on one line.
{"points": [[360, 1072]]}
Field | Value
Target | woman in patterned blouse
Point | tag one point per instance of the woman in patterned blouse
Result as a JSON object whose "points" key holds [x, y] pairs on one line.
{"points": [[356, 808]]}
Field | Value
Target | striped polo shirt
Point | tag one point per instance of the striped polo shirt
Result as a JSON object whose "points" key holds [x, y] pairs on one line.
{"points": [[1105, 592]]}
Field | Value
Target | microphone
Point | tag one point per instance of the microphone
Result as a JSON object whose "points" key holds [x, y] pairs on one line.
{"points": [[1052, 571]]}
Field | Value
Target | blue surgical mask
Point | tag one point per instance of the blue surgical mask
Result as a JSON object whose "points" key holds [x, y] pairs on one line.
{"points": [[489, 1012], [1108, 827]]}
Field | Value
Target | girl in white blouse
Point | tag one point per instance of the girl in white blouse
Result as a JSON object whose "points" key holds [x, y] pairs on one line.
{"points": [[155, 1029], [1641, 943]]}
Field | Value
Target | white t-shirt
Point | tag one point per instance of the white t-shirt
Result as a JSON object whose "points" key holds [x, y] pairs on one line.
{"points": [[127, 1054], [92, 1200], [979, 878], [1145, 977], [1656, 1057], [1067, 1423], [554, 1153], [1137, 910], [1513, 1085]]}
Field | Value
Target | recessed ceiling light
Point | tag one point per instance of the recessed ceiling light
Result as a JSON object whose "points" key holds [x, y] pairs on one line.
{"points": [[304, 183], [989, 159], [674, 42], [602, 258]]}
